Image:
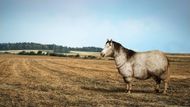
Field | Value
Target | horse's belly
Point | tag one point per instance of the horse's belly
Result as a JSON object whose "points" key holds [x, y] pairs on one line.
{"points": [[141, 73]]}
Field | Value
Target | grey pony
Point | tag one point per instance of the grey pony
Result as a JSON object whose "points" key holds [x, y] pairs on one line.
{"points": [[139, 65]]}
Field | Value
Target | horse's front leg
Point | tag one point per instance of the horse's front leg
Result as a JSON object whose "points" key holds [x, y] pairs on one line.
{"points": [[129, 88], [128, 82]]}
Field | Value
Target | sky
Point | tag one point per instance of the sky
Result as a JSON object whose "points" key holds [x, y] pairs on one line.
{"points": [[140, 25]]}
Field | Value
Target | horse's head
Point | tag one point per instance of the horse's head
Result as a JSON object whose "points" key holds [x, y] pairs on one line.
{"points": [[108, 50]]}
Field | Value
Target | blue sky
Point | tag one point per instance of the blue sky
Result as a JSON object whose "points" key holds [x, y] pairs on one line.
{"points": [[137, 24]]}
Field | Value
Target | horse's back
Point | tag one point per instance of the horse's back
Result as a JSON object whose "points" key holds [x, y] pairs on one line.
{"points": [[151, 62], [156, 59]]}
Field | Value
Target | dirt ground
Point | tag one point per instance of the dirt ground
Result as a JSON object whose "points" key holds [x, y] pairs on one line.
{"points": [[58, 81]]}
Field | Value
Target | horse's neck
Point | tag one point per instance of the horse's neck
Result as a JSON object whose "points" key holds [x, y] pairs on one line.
{"points": [[120, 57]]}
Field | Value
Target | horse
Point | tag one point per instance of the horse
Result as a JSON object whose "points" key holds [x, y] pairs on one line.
{"points": [[139, 65]]}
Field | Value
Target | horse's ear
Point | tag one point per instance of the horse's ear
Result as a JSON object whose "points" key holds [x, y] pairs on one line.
{"points": [[110, 40]]}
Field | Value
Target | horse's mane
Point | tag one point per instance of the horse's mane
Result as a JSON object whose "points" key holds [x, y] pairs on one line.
{"points": [[130, 53]]}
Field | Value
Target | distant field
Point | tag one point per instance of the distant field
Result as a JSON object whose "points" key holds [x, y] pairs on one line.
{"points": [[61, 81], [82, 53]]}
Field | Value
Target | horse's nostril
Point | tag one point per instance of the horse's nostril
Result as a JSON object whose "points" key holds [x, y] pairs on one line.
{"points": [[102, 54]]}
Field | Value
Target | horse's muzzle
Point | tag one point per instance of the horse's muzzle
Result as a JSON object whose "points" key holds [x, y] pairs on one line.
{"points": [[102, 54]]}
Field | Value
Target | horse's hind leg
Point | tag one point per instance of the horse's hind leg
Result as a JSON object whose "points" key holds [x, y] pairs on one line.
{"points": [[158, 81], [165, 86], [165, 78]]}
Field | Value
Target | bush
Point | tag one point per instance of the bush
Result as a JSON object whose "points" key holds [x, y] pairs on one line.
{"points": [[59, 55], [39, 53], [27, 53], [22, 53], [7, 53], [32, 53], [77, 56], [89, 57]]}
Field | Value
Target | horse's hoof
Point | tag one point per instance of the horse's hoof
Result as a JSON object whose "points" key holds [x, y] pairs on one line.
{"points": [[164, 92], [128, 92], [156, 90]]}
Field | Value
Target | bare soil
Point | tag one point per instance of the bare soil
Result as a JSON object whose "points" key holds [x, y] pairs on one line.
{"points": [[58, 81]]}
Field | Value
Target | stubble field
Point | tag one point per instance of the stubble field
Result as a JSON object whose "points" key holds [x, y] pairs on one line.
{"points": [[59, 81]]}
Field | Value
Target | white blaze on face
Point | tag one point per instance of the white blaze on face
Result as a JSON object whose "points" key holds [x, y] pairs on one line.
{"points": [[108, 50]]}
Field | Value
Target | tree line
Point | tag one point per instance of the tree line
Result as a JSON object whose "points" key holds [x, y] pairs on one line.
{"points": [[38, 46]]}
